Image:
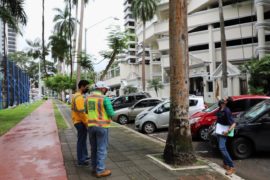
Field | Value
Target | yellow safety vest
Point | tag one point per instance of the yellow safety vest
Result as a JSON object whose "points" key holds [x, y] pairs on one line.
{"points": [[97, 115]]}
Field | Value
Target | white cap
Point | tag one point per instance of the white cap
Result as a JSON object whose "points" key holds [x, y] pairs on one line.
{"points": [[101, 84]]}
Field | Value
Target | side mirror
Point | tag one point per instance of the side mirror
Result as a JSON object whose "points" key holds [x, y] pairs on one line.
{"points": [[159, 110]]}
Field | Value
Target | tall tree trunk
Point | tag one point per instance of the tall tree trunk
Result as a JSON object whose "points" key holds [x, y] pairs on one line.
{"points": [[5, 85], [223, 51], [70, 42], [108, 66], [80, 43], [43, 41], [143, 59], [75, 36], [178, 149]]}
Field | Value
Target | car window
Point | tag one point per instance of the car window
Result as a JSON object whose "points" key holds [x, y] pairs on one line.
{"points": [[166, 107], [129, 99], [139, 97], [193, 102], [254, 102], [238, 105], [254, 112], [211, 108], [119, 101], [141, 104], [153, 102]]}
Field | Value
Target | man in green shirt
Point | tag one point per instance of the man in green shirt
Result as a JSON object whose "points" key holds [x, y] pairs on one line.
{"points": [[100, 111]]}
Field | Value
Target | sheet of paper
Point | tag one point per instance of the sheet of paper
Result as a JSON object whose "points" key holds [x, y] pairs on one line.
{"points": [[221, 128]]}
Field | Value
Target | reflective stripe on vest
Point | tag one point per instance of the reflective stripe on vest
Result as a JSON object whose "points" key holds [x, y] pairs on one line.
{"points": [[96, 112]]}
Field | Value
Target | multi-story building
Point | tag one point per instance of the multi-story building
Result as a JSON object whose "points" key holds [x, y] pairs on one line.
{"points": [[11, 41], [247, 30], [247, 36]]}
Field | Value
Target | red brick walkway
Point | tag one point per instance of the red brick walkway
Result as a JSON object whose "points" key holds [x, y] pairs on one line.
{"points": [[32, 149]]}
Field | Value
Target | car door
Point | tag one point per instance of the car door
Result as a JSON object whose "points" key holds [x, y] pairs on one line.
{"points": [[163, 115], [137, 108], [193, 106], [261, 132]]}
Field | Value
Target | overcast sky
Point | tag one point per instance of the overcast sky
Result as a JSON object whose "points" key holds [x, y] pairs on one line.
{"points": [[95, 12]]}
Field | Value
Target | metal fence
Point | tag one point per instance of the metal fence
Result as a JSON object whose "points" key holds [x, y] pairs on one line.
{"points": [[14, 86]]}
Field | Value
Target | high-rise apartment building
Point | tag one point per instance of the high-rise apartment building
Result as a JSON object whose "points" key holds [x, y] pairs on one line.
{"points": [[11, 39]]}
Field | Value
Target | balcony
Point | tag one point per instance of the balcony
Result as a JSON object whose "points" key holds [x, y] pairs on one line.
{"points": [[235, 32], [234, 53], [212, 15], [197, 19]]}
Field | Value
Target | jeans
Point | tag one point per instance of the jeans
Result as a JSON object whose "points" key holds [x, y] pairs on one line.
{"points": [[82, 152], [227, 160], [98, 137]]}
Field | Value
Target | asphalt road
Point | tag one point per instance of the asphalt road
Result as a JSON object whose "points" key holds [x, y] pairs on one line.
{"points": [[256, 167]]}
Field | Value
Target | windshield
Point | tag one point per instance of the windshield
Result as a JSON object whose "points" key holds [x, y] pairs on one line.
{"points": [[255, 111], [211, 108]]}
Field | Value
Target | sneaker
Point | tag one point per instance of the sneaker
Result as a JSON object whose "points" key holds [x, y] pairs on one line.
{"points": [[230, 171], [105, 173], [85, 163], [226, 167]]}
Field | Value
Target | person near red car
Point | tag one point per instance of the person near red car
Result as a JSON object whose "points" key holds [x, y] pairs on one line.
{"points": [[201, 121], [225, 119]]}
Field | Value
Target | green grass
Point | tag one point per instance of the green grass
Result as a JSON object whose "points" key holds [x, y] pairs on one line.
{"points": [[60, 122], [10, 117]]}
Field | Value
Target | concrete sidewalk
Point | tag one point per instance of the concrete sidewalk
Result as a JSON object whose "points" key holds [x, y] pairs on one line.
{"points": [[32, 150], [127, 157]]}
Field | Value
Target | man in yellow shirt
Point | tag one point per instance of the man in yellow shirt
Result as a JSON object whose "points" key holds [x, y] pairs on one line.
{"points": [[80, 121]]}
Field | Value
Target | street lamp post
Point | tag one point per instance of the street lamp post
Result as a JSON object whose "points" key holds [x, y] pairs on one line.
{"points": [[86, 29]]}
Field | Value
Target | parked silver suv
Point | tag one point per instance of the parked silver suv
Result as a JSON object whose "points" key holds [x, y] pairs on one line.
{"points": [[128, 100], [124, 115]]}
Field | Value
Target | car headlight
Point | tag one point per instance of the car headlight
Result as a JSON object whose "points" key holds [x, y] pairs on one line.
{"points": [[139, 117], [194, 120]]}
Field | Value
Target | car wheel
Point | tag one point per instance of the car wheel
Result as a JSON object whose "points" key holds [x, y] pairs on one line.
{"points": [[149, 127], [203, 133], [242, 148], [123, 119]]}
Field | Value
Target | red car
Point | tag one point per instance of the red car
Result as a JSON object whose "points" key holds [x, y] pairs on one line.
{"points": [[201, 121]]}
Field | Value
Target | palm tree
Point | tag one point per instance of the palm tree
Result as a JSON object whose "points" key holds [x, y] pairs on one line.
{"points": [[117, 43], [83, 2], [145, 11], [86, 63], [73, 43], [43, 56], [59, 49], [156, 84], [178, 149], [12, 13], [223, 51], [64, 26]]}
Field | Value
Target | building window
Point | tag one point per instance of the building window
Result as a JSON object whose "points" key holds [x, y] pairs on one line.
{"points": [[210, 86]]}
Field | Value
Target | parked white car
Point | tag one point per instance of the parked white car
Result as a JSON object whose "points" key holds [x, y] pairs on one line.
{"points": [[125, 115], [158, 117]]}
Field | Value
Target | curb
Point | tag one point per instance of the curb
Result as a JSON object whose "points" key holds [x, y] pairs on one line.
{"points": [[211, 164]]}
